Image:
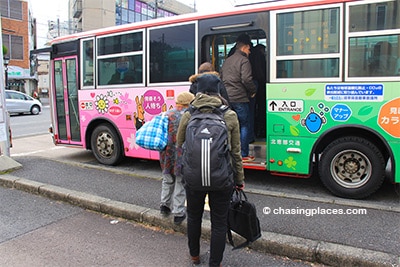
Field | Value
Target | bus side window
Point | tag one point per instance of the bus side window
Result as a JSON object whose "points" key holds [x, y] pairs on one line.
{"points": [[87, 63], [120, 59], [374, 56], [383, 61]]}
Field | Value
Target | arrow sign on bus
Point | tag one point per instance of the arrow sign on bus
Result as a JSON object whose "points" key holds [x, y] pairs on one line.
{"points": [[272, 105], [296, 106]]}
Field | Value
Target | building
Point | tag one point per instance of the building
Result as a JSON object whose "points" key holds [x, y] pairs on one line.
{"points": [[88, 15], [18, 29]]}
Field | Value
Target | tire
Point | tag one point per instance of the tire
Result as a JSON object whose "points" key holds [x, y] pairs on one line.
{"points": [[35, 110], [352, 167], [106, 145]]}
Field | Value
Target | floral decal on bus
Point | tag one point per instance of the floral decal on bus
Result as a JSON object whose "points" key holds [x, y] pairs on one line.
{"points": [[101, 104]]}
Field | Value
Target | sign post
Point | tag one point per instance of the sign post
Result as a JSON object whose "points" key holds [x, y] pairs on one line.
{"points": [[4, 118]]}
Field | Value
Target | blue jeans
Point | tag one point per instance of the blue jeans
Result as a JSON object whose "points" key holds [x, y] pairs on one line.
{"points": [[219, 205], [252, 114], [242, 110]]}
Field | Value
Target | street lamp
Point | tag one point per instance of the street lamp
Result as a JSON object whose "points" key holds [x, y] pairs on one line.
{"points": [[6, 60]]}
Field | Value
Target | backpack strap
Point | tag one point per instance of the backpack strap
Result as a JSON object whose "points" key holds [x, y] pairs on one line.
{"points": [[222, 108]]}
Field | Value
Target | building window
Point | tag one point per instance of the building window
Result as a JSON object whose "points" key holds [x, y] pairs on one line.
{"points": [[11, 9], [15, 46]]}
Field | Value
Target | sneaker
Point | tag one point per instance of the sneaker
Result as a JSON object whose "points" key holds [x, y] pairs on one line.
{"points": [[164, 210], [248, 159], [179, 219], [196, 260]]}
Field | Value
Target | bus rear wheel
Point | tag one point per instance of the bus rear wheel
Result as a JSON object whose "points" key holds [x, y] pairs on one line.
{"points": [[106, 145], [352, 167]]}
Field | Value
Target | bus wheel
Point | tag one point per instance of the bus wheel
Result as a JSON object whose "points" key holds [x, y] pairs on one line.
{"points": [[106, 145], [352, 167]]}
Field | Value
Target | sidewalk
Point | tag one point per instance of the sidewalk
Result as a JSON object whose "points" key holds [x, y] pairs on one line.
{"points": [[103, 196]]}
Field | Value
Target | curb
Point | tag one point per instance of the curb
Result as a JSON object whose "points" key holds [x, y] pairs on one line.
{"points": [[284, 245]]}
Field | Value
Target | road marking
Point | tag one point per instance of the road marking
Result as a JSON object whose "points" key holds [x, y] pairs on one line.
{"points": [[35, 152]]}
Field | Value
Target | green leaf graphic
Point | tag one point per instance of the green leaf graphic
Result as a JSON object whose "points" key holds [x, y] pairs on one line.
{"points": [[291, 163], [365, 110], [310, 91], [294, 131]]}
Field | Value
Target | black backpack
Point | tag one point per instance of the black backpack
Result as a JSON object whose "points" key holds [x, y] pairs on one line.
{"points": [[206, 162]]}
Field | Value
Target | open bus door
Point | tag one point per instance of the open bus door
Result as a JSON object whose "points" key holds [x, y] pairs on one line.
{"points": [[65, 98]]}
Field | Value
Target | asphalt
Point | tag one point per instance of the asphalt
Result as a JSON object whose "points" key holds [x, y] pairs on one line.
{"points": [[327, 253]]}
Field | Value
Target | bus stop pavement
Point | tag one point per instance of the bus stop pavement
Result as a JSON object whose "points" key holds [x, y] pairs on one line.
{"points": [[327, 253]]}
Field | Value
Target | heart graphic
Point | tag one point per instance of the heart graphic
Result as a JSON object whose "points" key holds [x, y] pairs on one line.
{"points": [[296, 117], [92, 94]]}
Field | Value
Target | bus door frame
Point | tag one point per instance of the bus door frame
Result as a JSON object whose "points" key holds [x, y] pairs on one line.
{"points": [[67, 97]]}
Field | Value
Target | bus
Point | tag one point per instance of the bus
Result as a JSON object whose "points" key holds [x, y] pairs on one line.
{"points": [[330, 103]]}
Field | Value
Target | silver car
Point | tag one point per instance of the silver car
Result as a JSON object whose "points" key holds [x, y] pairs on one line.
{"points": [[17, 102]]}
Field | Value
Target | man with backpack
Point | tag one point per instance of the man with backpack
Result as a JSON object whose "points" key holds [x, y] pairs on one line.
{"points": [[209, 133]]}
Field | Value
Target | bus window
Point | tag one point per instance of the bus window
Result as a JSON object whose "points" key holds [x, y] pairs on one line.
{"points": [[87, 63], [302, 68], [123, 43], [304, 34], [219, 47], [120, 59], [172, 56], [374, 56], [375, 16], [120, 70]]}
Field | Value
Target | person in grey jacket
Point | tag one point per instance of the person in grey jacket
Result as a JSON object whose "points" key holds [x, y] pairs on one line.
{"points": [[236, 74]]}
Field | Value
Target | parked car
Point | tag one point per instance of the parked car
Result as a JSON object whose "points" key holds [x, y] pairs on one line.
{"points": [[17, 102]]}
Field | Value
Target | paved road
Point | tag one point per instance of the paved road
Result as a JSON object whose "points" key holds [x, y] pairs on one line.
{"points": [[37, 231], [358, 240]]}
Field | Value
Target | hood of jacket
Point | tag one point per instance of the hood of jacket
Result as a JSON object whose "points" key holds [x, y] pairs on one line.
{"points": [[202, 100], [193, 78]]}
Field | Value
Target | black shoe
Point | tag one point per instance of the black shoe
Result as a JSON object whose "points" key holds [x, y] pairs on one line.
{"points": [[164, 210], [195, 260], [179, 219]]}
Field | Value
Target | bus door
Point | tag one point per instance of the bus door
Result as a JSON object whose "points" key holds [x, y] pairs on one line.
{"points": [[66, 122]]}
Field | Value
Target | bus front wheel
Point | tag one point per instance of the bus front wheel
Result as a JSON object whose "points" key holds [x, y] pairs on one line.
{"points": [[106, 145], [352, 167]]}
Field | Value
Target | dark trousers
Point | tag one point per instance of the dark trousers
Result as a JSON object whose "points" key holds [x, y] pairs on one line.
{"points": [[219, 205]]}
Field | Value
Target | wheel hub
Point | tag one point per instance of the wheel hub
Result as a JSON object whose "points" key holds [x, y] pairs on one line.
{"points": [[105, 144], [351, 166], [351, 169]]}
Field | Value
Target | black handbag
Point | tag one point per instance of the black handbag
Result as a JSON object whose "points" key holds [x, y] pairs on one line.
{"points": [[242, 219]]}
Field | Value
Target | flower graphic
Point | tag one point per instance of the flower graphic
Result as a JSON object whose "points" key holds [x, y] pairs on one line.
{"points": [[125, 100], [116, 101], [101, 103], [132, 142], [291, 163]]}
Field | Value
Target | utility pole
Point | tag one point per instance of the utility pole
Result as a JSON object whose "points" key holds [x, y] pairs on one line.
{"points": [[4, 118]]}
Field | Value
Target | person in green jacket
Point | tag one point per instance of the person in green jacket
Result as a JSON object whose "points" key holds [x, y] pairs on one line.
{"points": [[208, 95]]}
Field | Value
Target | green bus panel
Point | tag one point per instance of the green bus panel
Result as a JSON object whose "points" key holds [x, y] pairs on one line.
{"points": [[289, 154], [303, 113]]}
